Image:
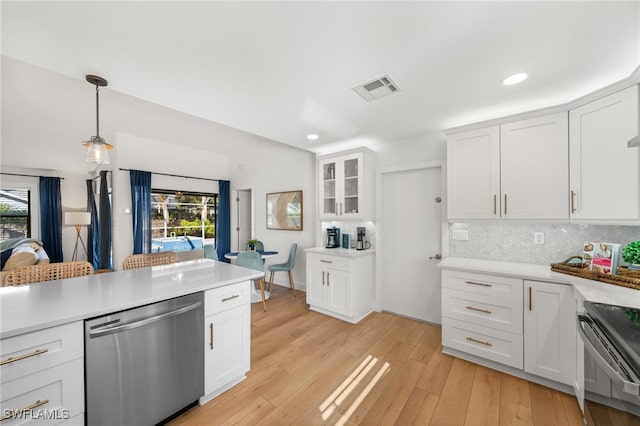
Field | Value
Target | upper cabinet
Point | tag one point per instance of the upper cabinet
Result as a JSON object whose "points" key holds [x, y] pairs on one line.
{"points": [[345, 186], [604, 179], [515, 171]]}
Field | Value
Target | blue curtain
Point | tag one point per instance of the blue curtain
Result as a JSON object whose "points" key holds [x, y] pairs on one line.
{"points": [[223, 222], [51, 217], [141, 210], [93, 243], [104, 224]]}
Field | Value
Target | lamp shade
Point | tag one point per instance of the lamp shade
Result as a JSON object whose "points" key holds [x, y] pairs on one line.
{"points": [[77, 218]]}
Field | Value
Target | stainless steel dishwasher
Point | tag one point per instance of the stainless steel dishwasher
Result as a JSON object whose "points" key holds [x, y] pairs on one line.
{"points": [[145, 364]]}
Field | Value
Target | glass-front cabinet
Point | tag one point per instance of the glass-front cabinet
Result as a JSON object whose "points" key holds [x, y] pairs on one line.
{"points": [[341, 187]]}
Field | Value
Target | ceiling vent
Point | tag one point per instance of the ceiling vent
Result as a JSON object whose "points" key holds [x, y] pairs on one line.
{"points": [[378, 88]]}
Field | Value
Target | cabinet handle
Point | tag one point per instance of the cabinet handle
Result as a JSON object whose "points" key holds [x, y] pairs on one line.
{"points": [[326, 261], [340, 209], [505, 204], [475, 283], [21, 357], [573, 203], [471, 339], [336, 209], [322, 277], [471, 308], [13, 413], [226, 299], [495, 204], [530, 303], [328, 283], [211, 336]]}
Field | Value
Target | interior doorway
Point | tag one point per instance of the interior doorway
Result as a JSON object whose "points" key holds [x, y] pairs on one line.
{"points": [[411, 241], [244, 229]]}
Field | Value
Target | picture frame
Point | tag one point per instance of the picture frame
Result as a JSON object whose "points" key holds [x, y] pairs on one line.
{"points": [[285, 210]]}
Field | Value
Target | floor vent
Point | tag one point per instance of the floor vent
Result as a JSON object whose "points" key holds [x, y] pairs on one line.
{"points": [[378, 88]]}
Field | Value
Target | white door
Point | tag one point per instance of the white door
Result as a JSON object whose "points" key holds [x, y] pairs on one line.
{"points": [[244, 217], [410, 234]]}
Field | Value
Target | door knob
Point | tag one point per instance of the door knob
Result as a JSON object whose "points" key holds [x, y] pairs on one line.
{"points": [[437, 256]]}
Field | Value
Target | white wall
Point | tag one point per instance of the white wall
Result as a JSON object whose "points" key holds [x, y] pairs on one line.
{"points": [[46, 116]]}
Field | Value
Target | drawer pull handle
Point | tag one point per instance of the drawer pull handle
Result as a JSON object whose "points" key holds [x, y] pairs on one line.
{"points": [[326, 261], [211, 336], [235, 296], [13, 413], [21, 357], [475, 283], [471, 308], [471, 339]]}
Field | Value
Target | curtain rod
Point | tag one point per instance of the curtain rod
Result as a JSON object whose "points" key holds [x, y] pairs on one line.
{"points": [[180, 176], [19, 174]]}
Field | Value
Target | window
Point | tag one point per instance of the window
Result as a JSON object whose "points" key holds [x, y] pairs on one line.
{"points": [[15, 213], [176, 213]]}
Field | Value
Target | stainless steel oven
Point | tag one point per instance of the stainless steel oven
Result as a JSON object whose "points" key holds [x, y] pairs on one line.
{"points": [[611, 381]]}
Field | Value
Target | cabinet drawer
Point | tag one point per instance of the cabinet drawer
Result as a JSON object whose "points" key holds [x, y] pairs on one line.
{"points": [[488, 311], [490, 285], [333, 262], [32, 352], [55, 394], [488, 343], [227, 297]]}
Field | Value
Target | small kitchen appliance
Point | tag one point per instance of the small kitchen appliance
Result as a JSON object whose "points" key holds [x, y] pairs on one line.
{"points": [[333, 237], [361, 242]]}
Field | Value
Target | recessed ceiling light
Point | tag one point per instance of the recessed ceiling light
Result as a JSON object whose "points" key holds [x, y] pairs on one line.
{"points": [[515, 79], [312, 137]]}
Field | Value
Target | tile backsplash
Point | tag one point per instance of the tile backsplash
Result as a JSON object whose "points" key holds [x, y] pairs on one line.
{"points": [[351, 228], [514, 242]]}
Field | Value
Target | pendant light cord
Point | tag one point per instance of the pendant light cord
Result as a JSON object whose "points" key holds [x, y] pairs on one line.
{"points": [[97, 111]]}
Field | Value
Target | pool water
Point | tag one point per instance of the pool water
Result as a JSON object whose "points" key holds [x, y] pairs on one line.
{"points": [[176, 244]]}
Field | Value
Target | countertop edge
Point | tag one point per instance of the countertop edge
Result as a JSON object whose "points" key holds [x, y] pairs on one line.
{"points": [[341, 252]]}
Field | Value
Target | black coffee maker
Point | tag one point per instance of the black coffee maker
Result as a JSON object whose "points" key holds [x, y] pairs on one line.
{"points": [[333, 237]]}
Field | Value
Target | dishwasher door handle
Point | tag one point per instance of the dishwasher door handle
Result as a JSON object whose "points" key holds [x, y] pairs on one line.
{"points": [[143, 322]]}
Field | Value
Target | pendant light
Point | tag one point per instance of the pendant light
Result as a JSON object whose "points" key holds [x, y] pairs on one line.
{"points": [[97, 146]]}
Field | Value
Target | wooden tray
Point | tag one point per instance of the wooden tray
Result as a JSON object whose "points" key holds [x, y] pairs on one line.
{"points": [[624, 280]]}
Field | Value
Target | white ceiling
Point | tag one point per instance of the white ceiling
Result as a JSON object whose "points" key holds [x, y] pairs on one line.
{"points": [[283, 70]]}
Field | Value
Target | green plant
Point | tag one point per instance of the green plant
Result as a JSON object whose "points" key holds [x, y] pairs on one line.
{"points": [[631, 252], [252, 243]]}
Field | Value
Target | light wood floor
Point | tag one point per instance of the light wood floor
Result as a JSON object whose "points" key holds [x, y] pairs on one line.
{"points": [[311, 369]]}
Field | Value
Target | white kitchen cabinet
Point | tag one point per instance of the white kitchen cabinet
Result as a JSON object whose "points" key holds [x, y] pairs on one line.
{"points": [[534, 168], [345, 186], [340, 286], [227, 337], [549, 331], [43, 371], [605, 175], [473, 174], [517, 170], [482, 316]]}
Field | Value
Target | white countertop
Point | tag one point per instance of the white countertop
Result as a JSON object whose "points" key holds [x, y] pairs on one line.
{"points": [[340, 251], [591, 290], [33, 307]]}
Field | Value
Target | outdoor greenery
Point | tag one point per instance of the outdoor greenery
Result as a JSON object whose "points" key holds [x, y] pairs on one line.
{"points": [[183, 214], [631, 252]]}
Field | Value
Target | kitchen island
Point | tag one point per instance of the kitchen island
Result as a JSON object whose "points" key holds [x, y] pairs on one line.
{"points": [[42, 331]]}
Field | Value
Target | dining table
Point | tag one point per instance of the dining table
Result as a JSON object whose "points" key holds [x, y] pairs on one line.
{"points": [[264, 254]]}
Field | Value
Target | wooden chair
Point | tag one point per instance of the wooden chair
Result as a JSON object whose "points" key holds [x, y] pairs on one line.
{"points": [[50, 272], [150, 259]]}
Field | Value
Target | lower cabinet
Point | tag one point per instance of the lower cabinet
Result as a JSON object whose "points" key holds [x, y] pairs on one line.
{"points": [[42, 373], [549, 331], [227, 337], [523, 324], [340, 286]]}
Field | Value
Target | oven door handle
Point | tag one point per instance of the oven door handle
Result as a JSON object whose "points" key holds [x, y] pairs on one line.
{"points": [[632, 388]]}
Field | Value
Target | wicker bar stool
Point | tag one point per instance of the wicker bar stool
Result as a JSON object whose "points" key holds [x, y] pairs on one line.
{"points": [[149, 259], [50, 272]]}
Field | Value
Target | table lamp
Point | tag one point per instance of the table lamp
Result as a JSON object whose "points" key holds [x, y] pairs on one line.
{"points": [[77, 219]]}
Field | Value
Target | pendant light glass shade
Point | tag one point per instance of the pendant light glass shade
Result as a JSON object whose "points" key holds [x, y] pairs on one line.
{"points": [[96, 146]]}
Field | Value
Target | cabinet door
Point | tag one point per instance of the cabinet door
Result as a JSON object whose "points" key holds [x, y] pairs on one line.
{"points": [[316, 279], [328, 191], [227, 340], [473, 174], [351, 185], [338, 291], [549, 331], [604, 172], [534, 168]]}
